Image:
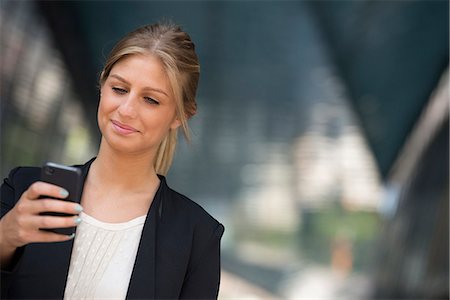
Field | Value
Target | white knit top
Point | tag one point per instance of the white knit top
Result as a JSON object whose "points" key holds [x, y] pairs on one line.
{"points": [[103, 257]]}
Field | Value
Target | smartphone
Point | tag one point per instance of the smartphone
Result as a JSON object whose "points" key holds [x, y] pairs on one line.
{"points": [[68, 178]]}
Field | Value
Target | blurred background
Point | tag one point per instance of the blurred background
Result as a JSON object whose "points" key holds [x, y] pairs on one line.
{"points": [[321, 141]]}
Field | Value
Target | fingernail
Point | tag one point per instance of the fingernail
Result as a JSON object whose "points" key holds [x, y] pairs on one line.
{"points": [[63, 193], [71, 236], [78, 208], [77, 220]]}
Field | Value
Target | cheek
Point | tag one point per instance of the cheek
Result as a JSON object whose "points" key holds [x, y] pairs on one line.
{"points": [[160, 121], [106, 103], [100, 114], [101, 108], [104, 107]]}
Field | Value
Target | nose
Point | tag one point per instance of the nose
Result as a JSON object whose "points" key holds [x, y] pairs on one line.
{"points": [[127, 108]]}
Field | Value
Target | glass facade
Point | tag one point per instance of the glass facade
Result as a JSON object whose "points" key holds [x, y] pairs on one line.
{"points": [[278, 154], [41, 118]]}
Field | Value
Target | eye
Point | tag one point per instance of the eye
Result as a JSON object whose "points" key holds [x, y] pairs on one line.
{"points": [[119, 90], [151, 100]]}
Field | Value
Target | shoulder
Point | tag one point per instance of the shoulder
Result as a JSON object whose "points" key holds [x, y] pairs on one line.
{"points": [[191, 214]]}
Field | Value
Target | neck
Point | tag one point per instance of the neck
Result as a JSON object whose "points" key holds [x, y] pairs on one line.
{"points": [[123, 171]]}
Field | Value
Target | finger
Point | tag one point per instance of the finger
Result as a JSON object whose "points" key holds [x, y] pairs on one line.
{"points": [[48, 236], [40, 188], [48, 222], [52, 205]]}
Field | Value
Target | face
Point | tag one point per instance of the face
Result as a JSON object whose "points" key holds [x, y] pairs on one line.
{"points": [[137, 106]]}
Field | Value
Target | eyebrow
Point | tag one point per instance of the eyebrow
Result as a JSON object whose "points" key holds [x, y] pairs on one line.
{"points": [[146, 88]]}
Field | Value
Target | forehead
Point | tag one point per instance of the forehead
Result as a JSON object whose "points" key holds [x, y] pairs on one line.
{"points": [[142, 69], [140, 61]]}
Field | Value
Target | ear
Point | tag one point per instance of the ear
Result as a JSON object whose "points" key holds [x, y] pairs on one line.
{"points": [[175, 123]]}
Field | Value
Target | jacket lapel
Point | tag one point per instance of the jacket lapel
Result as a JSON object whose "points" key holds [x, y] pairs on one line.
{"points": [[142, 282]]}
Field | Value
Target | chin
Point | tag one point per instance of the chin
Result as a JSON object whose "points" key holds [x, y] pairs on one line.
{"points": [[127, 147]]}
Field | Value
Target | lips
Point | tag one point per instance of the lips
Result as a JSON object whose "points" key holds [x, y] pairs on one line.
{"points": [[123, 128]]}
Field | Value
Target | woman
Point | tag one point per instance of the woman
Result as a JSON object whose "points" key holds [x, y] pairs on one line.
{"points": [[136, 238]]}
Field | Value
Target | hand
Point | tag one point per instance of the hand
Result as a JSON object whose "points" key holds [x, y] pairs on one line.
{"points": [[21, 225]]}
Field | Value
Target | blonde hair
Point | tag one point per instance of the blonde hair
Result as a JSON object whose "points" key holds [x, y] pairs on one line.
{"points": [[176, 51]]}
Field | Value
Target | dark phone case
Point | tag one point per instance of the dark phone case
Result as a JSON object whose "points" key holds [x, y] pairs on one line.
{"points": [[68, 178]]}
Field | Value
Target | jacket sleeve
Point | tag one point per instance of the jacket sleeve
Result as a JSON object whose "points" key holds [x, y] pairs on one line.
{"points": [[18, 180], [203, 279], [13, 186], [8, 200]]}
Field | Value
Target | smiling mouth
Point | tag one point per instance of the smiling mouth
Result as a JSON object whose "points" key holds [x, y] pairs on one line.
{"points": [[122, 128]]}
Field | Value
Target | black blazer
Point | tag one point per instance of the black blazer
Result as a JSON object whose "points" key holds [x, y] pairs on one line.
{"points": [[178, 255]]}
